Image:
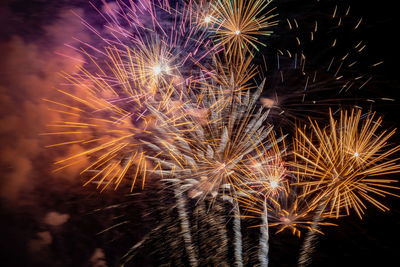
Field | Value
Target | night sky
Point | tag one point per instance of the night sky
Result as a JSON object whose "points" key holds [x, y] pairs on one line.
{"points": [[49, 219]]}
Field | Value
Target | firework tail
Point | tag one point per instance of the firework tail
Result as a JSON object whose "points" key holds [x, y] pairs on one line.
{"points": [[218, 222], [309, 242], [185, 226], [169, 242], [204, 239], [199, 233], [132, 251], [210, 234], [264, 238], [237, 236]]}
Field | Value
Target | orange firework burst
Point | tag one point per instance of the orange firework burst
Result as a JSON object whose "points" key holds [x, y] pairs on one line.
{"points": [[107, 116], [103, 114], [338, 163], [239, 22]]}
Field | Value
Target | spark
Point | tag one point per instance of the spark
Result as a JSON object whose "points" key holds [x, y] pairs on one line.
{"points": [[160, 69], [274, 184], [157, 69]]}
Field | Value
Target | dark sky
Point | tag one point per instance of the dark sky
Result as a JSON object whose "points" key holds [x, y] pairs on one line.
{"points": [[47, 219]]}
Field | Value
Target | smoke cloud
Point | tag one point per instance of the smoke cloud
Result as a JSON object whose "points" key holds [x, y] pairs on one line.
{"points": [[29, 73]]}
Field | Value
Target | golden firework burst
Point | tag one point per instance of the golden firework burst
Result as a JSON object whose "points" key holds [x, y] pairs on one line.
{"points": [[344, 163], [239, 22]]}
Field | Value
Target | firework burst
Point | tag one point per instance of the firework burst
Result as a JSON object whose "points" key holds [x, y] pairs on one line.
{"points": [[104, 112], [273, 189], [206, 155], [340, 162], [171, 93], [105, 123], [239, 22]]}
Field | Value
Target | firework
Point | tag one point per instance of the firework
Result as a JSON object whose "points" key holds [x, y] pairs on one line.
{"points": [[267, 169], [206, 155], [344, 162], [237, 236], [172, 94], [265, 181], [150, 55], [106, 117], [273, 190], [236, 76], [286, 211], [104, 114], [239, 22]]}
